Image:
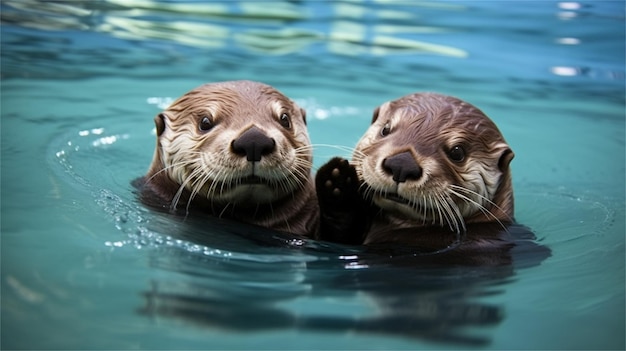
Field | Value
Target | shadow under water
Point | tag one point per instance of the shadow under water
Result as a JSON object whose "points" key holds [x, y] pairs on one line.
{"points": [[411, 298]]}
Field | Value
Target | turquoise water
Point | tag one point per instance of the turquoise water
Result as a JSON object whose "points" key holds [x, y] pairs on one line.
{"points": [[85, 266]]}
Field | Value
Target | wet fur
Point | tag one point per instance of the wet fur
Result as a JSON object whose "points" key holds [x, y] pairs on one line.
{"points": [[195, 170], [453, 207]]}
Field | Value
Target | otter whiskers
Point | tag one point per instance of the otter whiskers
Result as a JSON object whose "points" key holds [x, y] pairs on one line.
{"points": [[456, 190], [432, 208]]}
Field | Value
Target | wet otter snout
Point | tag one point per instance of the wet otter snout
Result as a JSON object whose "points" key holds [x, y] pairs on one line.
{"points": [[253, 144], [403, 167]]}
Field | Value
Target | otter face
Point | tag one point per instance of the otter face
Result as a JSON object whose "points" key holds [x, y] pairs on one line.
{"points": [[240, 143], [430, 159]]}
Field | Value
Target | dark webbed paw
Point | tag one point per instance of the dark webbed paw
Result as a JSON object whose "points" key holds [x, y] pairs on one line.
{"points": [[342, 210], [337, 183]]}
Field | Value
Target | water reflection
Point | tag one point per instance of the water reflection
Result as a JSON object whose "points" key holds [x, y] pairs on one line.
{"points": [[568, 41], [311, 38], [275, 28], [355, 290]]}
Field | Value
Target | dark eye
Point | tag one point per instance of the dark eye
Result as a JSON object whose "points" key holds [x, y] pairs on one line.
{"points": [[285, 121], [386, 129], [205, 124], [457, 153]]}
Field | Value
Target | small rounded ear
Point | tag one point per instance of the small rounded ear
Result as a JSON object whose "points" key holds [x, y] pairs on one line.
{"points": [[505, 159], [375, 115], [159, 122], [303, 112]]}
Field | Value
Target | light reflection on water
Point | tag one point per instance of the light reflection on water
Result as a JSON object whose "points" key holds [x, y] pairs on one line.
{"points": [[274, 28], [551, 75]]}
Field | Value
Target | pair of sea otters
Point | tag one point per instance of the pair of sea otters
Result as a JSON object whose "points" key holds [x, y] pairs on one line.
{"points": [[431, 172]]}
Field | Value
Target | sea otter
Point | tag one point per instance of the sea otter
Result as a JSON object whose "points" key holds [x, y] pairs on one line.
{"points": [[238, 150], [431, 172]]}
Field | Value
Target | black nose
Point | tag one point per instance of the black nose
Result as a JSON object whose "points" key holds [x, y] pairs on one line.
{"points": [[253, 144], [403, 166]]}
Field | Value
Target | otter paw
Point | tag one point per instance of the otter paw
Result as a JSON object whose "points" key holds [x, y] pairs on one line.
{"points": [[336, 181]]}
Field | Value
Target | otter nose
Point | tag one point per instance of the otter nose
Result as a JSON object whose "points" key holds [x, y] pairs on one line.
{"points": [[403, 167], [253, 144]]}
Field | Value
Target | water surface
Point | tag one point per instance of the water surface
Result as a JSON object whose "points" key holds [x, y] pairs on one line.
{"points": [[84, 265]]}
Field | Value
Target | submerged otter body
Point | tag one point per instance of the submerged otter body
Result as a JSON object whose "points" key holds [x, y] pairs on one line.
{"points": [[431, 171], [236, 150]]}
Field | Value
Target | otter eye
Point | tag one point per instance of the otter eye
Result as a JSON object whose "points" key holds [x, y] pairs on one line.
{"points": [[386, 129], [285, 121], [456, 153], [205, 124]]}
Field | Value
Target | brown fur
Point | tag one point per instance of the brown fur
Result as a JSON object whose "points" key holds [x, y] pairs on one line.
{"points": [[428, 126], [196, 169]]}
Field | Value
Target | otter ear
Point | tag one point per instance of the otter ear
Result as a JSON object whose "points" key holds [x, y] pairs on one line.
{"points": [[375, 115], [505, 159], [159, 122], [303, 112]]}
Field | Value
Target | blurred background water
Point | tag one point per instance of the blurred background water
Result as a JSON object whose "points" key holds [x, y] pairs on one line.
{"points": [[84, 265]]}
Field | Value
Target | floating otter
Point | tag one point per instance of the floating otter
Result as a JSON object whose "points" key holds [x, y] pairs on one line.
{"points": [[237, 150], [431, 171]]}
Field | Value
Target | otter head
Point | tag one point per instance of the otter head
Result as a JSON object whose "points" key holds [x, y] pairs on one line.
{"points": [[232, 143], [430, 159]]}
